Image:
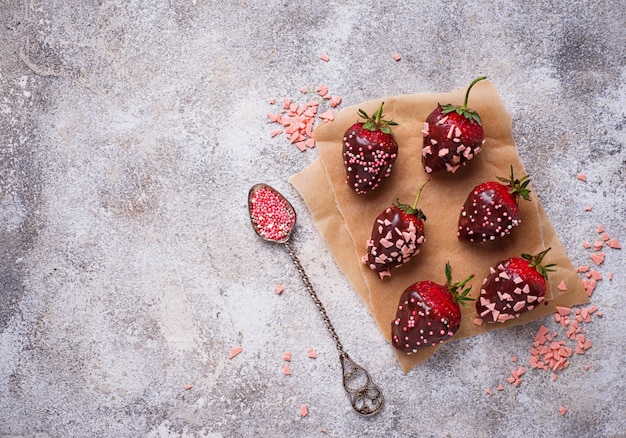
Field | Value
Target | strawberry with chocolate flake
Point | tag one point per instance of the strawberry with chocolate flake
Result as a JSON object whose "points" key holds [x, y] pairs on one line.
{"points": [[514, 286], [491, 209], [429, 313], [369, 151], [453, 135], [397, 235]]}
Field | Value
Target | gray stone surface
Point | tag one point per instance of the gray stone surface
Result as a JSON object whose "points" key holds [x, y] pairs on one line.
{"points": [[130, 133]]}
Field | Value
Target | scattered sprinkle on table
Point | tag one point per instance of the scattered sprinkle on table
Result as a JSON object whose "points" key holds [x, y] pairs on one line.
{"points": [[298, 121], [235, 351]]}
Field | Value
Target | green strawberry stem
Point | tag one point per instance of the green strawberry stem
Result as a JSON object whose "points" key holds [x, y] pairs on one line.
{"points": [[459, 297], [376, 122], [519, 187], [535, 262], [464, 111], [413, 210], [469, 88], [378, 115], [417, 198]]}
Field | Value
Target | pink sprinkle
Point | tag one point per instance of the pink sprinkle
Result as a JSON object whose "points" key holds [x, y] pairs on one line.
{"points": [[327, 116], [335, 101], [589, 286], [582, 177], [235, 351], [589, 208], [272, 101], [609, 276], [600, 229], [613, 243], [489, 391], [187, 387], [562, 285], [279, 289], [311, 353], [586, 245], [324, 57], [596, 275], [287, 356], [397, 57], [478, 321], [563, 410], [563, 311], [322, 90], [286, 370], [304, 410], [304, 90], [597, 258], [275, 132]]}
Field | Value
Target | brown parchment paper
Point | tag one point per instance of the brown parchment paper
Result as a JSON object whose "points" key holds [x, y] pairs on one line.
{"points": [[345, 219]]}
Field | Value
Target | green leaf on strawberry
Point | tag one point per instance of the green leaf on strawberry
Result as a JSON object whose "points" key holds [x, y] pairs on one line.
{"points": [[464, 111]]}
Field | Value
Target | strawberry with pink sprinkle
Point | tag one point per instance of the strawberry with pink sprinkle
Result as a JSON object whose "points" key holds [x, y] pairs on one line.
{"points": [[369, 151], [397, 235]]}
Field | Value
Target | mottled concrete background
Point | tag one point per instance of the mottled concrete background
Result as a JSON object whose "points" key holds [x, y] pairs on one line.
{"points": [[130, 133]]}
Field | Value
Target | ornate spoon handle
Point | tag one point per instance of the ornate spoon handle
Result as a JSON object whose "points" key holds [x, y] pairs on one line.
{"points": [[365, 396]]}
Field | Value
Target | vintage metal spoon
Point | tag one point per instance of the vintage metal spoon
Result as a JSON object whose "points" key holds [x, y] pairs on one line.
{"points": [[273, 218]]}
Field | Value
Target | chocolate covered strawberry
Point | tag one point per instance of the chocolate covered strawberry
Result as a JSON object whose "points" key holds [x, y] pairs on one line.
{"points": [[397, 235], [369, 151], [513, 286], [453, 135], [491, 209], [428, 313]]}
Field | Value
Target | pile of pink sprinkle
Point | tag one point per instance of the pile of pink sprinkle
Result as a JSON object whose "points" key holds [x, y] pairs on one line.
{"points": [[271, 214]]}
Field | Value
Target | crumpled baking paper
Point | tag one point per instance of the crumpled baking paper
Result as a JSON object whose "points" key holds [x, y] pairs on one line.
{"points": [[345, 218]]}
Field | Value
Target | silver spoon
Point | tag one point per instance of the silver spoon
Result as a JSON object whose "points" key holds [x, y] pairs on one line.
{"points": [[365, 396]]}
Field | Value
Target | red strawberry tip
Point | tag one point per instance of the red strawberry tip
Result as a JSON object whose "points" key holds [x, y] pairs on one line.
{"points": [[413, 210], [535, 262], [377, 122], [458, 297], [519, 187], [464, 111]]}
